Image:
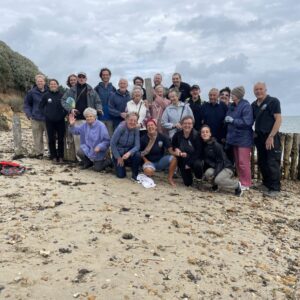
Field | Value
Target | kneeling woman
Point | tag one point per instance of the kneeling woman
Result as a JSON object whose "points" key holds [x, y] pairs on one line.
{"points": [[218, 168], [187, 150], [153, 152], [125, 146], [94, 140]]}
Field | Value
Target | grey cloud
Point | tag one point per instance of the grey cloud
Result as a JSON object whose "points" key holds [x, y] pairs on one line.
{"points": [[233, 64]]}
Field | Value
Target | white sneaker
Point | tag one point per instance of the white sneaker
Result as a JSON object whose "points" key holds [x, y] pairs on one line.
{"points": [[244, 188]]}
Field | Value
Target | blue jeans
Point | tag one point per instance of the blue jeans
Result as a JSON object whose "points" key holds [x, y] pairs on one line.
{"points": [[133, 161], [160, 165]]}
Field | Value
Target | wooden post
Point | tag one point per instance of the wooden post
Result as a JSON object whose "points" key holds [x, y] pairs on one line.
{"points": [[295, 156], [282, 141], [253, 162], [287, 154], [69, 146], [298, 176], [17, 135], [149, 89]]}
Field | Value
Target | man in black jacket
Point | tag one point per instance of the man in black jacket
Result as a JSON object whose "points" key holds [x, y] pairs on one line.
{"points": [[267, 116], [182, 87]]}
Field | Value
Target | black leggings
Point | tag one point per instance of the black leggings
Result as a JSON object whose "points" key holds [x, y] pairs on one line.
{"points": [[56, 129], [187, 174]]}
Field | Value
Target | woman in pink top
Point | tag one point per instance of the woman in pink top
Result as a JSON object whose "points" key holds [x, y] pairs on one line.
{"points": [[158, 106]]}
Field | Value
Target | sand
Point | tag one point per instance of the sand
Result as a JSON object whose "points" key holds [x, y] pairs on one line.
{"points": [[67, 233]]}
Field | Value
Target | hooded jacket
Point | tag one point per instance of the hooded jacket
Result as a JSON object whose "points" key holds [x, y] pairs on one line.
{"points": [[239, 132], [32, 103]]}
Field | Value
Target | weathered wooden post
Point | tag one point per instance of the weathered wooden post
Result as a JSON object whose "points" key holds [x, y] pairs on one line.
{"points": [[295, 156], [149, 89], [69, 150], [287, 154], [17, 135]]}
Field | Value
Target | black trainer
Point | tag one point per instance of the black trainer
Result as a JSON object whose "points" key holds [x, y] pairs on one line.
{"points": [[238, 191]]}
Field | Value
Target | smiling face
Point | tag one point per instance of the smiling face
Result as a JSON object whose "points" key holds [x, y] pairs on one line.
{"points": [[131, 121], [90, 118], [195, 93], [151, 128], [173, 98], [187, 125], [53, 86], [205, 133], [260, 91], [159, 91], [136, 95], [225, 97], [73, 80], [40, 83], [176, 80], [105, 76]]}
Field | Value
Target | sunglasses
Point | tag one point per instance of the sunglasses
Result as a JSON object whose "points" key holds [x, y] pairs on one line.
{"points": [[81, 76]]}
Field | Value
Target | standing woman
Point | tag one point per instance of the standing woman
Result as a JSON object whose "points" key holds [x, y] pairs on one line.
{"points": [[174, 113], [240, 134], [187, 149], [71, 80], [138, 106], [158, 106], [217, 167], [55, 120]]}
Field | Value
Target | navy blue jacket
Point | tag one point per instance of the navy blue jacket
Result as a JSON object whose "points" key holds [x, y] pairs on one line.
{"points": [[32, 101], [213, 116], [117, 103], [104, 93], [240, 133]]}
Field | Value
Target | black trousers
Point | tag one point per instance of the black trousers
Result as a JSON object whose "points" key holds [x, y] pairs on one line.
{"points": [[56, 129], [269, 161], [196, 167]]}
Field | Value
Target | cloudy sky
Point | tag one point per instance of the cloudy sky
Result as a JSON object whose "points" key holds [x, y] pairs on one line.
{"points": [[212, 43]]}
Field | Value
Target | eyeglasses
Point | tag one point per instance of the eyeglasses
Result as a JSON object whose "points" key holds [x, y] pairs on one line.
{"points": [[226, 95], [81, 76]]}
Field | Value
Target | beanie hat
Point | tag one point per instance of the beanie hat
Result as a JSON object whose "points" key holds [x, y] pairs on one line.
{"points": [[239, 92]]}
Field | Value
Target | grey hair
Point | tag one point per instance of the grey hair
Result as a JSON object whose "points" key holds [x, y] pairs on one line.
{"points": [[137, 87], [40, 76], [159, 86], [133, 113], [90, 111]]}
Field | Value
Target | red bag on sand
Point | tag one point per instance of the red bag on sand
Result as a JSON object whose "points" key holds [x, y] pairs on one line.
{"points": [[9, 168]]}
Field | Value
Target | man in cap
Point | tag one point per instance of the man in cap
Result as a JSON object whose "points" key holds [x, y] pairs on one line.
{"points": [[196, 103], [267, 116], [77, 99]]}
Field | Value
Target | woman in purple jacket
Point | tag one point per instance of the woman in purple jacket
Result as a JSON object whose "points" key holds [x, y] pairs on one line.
{"points": [[94, 140], [240, 134]]}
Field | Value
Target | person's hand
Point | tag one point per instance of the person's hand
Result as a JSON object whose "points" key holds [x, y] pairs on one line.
{"points": [[270, 143], [123, 115], [178, 126], [183, 154], [126, 155], [72, 119], [74, 111], [97, 149], [229, 119], [120, 162], [177, 152]]}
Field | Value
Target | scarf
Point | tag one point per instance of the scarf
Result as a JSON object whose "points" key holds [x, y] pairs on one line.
{"points": [[151, 142]]}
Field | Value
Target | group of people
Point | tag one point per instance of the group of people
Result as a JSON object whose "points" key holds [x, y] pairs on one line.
{"points": [[175, 131]]}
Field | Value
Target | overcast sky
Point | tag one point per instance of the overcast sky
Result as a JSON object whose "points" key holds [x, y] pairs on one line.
{"points": [[211, 43]]}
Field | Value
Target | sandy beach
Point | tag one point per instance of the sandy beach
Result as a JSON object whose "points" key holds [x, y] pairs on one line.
{"points": [[67, 233]]}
